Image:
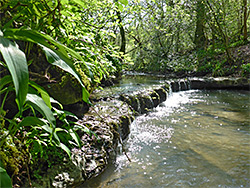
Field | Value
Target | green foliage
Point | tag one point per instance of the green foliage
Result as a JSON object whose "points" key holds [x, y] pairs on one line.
{"points": [[157, 36], [5, 181], [88, 28], [218, 70], [161, 32], [40, 131], [206, 67], [83, 38], [17, 65], [245, 69], [58, 57]]}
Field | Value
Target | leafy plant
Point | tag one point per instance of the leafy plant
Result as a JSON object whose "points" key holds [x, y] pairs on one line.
{"points": [[5, 180], [82, 48], [245, 69], [41, 126], [16, 62]]}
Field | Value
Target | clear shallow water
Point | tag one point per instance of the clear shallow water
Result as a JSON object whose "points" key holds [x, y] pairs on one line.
{"points": [[129, 85], [194, 139]]}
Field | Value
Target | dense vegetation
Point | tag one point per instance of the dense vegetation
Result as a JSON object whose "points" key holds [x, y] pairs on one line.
{"points": [[87, 42], [188, 36]]}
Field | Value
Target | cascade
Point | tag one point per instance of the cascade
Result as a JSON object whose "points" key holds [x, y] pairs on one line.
{"points": [[167, 93], [179, 84], [138, 105], [185, 84], [189, 84], [151, 100], [170, 92]]}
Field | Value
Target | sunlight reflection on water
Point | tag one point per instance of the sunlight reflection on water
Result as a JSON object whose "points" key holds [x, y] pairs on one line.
{"points": [[194, 139]]}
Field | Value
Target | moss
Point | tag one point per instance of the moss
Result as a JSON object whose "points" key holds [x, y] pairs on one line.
{"points": [[167, 87], [134, 102], [63, 81], [12, 155], [84, 78], [67, 89]]}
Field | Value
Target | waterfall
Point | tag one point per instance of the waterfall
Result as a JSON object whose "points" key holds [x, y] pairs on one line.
{"points": [[138, 105], [189, 84], [170, 92], [185, 84], [179, 84], [167, 94], [151, 100]]}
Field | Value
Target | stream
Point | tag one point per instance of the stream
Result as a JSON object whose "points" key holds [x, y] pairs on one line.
{"points": [[196, 138]]}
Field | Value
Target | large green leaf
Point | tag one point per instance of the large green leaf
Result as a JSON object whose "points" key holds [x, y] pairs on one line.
{"points": [[45, 96], [67, 66], [38, 103], [34, 122], [58, 57], [30, 121], [38, 122], [75, 137], [5, 180], [4, 81], [17, 65], [65, 148], [43, 39]]}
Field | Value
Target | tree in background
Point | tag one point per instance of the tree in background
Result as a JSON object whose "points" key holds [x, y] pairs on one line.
{"points": [[200, 39], [246, 15], [163, 35]]}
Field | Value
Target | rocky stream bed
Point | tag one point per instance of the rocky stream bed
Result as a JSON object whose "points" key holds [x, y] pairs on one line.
{"points": [[110, 118]]}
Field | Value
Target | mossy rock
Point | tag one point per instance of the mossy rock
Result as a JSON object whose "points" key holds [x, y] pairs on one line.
{"points": [[61, 85], [13, 156], [66, 91]]}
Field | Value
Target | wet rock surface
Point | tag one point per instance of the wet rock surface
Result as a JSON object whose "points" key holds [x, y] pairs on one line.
{"points": [[100, 130], [141, 102], [210, 83], [107, 123], [220, 83]]}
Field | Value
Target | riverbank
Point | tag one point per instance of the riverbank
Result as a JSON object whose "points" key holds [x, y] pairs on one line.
{"points": [[196, 138], [109, 122], [210, 63]]}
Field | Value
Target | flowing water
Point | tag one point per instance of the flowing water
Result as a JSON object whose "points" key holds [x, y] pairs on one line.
{"points": [[194, 139], [130, 84]]}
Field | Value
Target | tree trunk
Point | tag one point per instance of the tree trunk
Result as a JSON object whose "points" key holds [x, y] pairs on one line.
{"points": [[245, 21], [122, 33], [200, 40], [223, 31]]}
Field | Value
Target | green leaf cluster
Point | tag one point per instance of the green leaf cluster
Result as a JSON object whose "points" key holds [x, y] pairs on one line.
{"points": [[27, 96], [161, 34], [80, 38]]}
